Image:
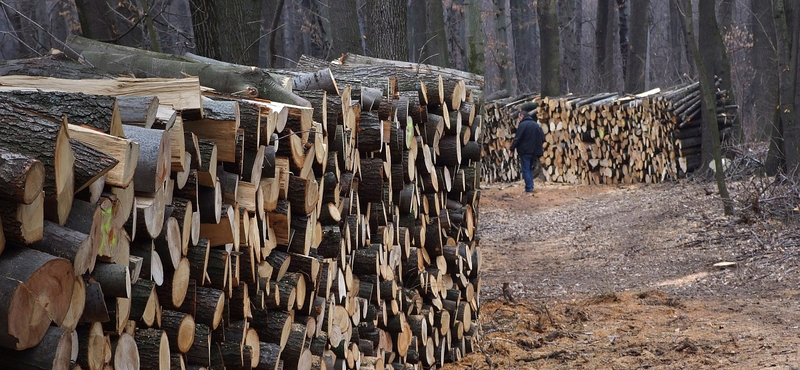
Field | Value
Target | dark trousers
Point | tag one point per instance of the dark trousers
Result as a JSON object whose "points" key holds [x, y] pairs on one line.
{"points": [[527, 161]]}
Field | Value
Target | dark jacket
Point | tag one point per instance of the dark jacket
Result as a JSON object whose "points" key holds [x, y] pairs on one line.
{"points": [[529, 138]]}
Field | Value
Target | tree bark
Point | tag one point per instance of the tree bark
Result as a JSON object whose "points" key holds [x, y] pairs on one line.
{"points": [[765, 68], [604, 45], [637, 52], [550, 56], [227, 30], [624, 12], [708, 103], [386, 29], [712, 44], [784, 154], [436, 52], [345, 35]]}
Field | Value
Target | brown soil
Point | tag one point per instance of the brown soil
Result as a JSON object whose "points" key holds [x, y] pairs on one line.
{"points": [[623, 277]]}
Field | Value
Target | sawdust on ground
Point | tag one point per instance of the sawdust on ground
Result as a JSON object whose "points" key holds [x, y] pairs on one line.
{"points": [[624, 277]]}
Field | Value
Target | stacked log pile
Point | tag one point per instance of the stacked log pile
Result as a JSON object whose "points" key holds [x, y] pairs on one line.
{"points": [[606, 138], [161, 225]]}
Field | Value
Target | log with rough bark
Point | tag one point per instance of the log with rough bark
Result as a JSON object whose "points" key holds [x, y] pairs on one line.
{"points": [[180, 329], [242, 81], [66, 243]]}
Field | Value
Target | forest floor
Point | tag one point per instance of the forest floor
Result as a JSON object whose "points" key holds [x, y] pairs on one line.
{"points": [[624, 277]]}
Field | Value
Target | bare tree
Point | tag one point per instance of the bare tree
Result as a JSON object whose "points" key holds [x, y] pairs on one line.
{"points": [[474, 35], [571, 20]]}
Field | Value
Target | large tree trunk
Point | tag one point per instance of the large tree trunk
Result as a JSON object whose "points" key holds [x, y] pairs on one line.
{"points": [[506, 30], [708, 103], [455, 21], [712, 45], [570, 17], [551, 61], [624, 12], [604, 45], [784, 153], [385, 31], [416, 29], [227, 30], [436, 51], [475, 39], [637, 53], [676, 49], [345, 35], [527, 44], [765, 68]]}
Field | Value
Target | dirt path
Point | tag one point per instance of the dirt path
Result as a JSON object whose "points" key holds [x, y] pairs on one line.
{"points": [[623, 277]]}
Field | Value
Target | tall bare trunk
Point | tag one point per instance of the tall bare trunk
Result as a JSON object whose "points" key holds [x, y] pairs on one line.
{"points": [[570, 18], [637, 53], [784, 153], [474, 31], [624, 12], [527, 45], [436, 52], [604, 45], [227, 30], [507, 33], [455, 26], [765, 67], [551, 60], [386, 29], [708, 103]]}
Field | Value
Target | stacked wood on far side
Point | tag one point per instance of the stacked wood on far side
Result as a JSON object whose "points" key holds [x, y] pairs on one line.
{"points": [[607, 138], [162, 226]]}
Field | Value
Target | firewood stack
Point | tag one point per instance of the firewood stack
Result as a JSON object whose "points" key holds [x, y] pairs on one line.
{"points": [[162, 225], [606, 138]]}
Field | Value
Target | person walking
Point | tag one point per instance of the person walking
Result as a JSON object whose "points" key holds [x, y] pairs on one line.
{"points": [[528, 143]]}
